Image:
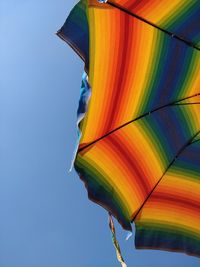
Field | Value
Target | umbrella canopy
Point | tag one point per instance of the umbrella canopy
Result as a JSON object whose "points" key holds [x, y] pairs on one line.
{"points": [[139, 152]]}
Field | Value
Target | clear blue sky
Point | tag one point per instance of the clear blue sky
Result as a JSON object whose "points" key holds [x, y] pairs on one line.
{"points": [[46, 219]]}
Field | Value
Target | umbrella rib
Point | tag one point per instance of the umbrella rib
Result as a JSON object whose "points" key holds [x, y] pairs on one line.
{"points": [[140, 117], [195, 141], [169, 166], [154, 25], [192, 103]]}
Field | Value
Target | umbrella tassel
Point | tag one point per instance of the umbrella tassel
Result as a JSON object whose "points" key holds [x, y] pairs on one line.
{"points": [[115, 242]]}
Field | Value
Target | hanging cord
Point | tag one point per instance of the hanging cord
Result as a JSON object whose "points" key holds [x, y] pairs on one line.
{"points": [[115, 242]]}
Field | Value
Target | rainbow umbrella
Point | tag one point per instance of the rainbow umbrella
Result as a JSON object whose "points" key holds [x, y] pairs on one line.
{"points": [[139, 116]]}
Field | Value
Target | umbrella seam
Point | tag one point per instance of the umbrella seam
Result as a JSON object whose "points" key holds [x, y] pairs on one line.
{"points": [[140, 117], [191, 44], [192, 103], [196, 141], [169, 166]]}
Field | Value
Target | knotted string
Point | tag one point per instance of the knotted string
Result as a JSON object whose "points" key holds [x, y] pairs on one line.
{"points": [[115, 242]]}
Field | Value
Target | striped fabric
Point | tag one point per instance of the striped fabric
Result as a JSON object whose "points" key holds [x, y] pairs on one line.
{"points": [[180, 17], [170, 219], [75, 31], [139, 154]]}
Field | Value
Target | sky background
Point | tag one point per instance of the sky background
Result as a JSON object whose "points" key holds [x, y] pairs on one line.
{"points": [[46, 219]]}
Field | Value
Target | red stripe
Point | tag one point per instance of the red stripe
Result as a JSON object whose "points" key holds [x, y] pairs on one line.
{"points": [[131, 163], [140, 5], [120, 75], [181, 201]]}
